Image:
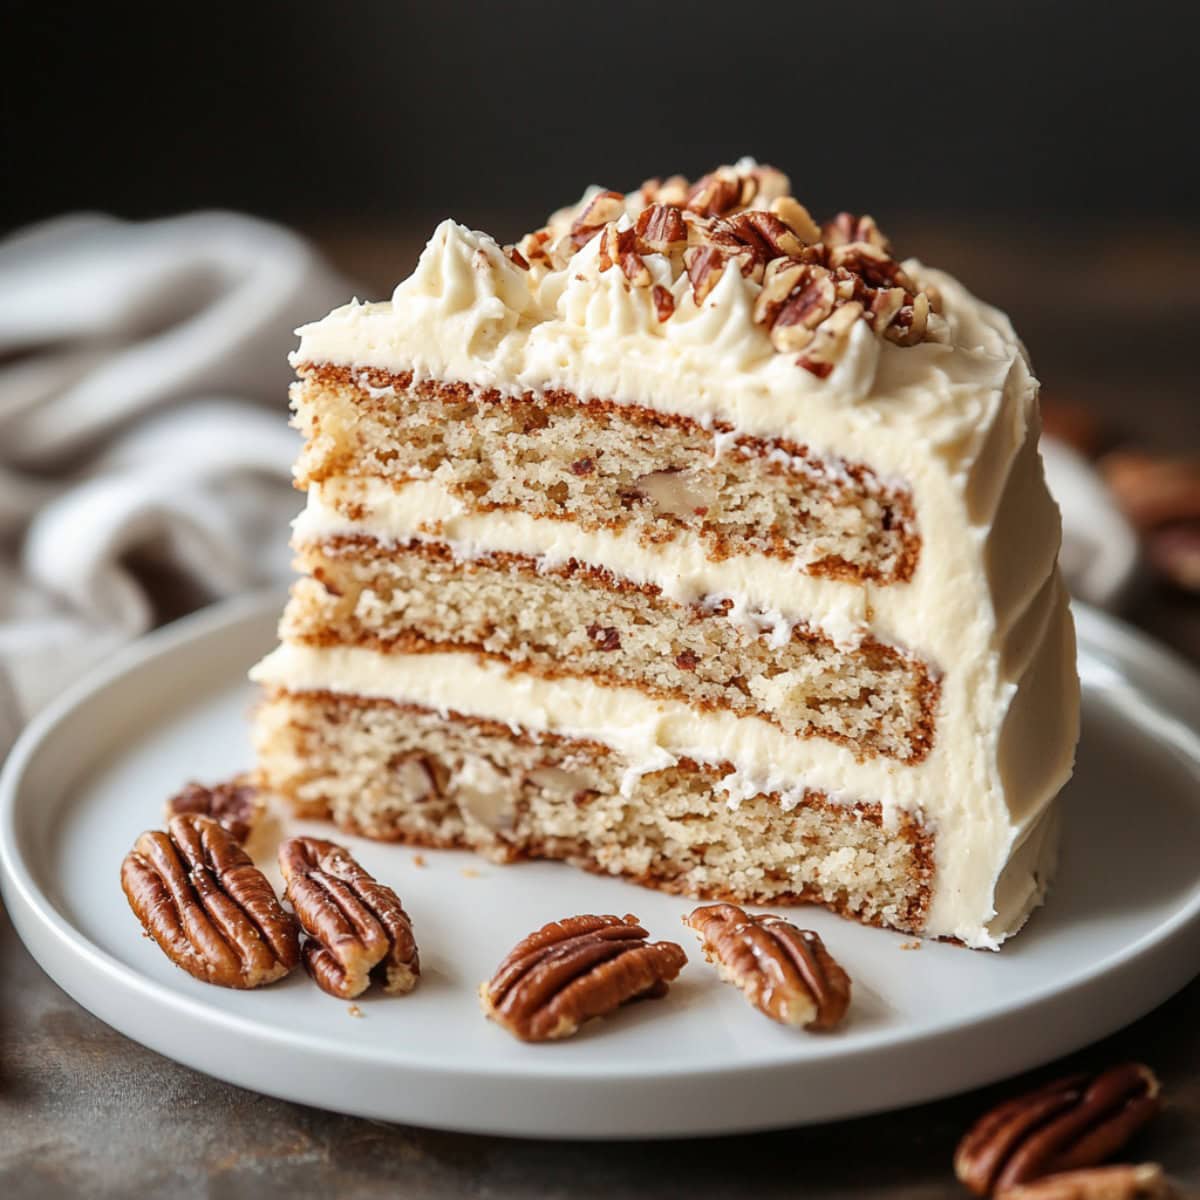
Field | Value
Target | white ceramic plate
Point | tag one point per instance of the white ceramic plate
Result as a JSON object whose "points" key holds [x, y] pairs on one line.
{"points": [[1119, 934]]}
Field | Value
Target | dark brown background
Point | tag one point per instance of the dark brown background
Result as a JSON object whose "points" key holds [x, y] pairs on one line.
{"points": [[310, 111]]}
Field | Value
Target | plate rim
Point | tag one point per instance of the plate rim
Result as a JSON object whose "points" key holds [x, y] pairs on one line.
{"points": [[39, 915]]}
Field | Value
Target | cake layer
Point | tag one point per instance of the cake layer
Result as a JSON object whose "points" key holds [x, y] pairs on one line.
{"points": [[577, 620], [441, 779], [605, 465]]}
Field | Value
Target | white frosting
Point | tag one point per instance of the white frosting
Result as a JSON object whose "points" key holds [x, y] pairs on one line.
{"points": [[766, 592], [954, 419]]}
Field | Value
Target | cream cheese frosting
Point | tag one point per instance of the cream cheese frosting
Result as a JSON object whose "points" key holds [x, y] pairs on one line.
{"points": [[953, 418]]}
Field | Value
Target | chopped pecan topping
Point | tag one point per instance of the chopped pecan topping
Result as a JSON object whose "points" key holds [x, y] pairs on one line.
{"points": [[209, 908], [846, 228], [1071, 1123], [535, 247], [829, 341], [661, 228], [235, 804], [781, 278], [910, 323], [784, 972], [796, 217], [583, 466], [357, 928], [686, 660], [1145, 1181], [620, 246], [517, 258], [720, 192], [809, 273], [763, 233], [572, 970], [810, 304], [664, 303], [601, 210], [672, 191], [885, 306], [705, 265]]}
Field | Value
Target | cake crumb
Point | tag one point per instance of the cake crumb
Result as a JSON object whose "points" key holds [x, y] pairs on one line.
{"points": [[471, 873], [355, 1011], [418, 860], [910, 945]]}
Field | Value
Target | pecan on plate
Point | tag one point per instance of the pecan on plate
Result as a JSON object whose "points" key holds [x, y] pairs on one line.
{"points": [[572, 970], [357, 928], [784, 972], [209, 908], [1071, 1123], [235, 804], [1144, 1181]]}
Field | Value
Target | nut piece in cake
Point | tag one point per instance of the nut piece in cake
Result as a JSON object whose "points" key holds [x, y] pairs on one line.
{"points": [[235, 804], [1071, 1123], [572, 970], [209, 908], [785, 972], [357, 928], [1143, 1181]]}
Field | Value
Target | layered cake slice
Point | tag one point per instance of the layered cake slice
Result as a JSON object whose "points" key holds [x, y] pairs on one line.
{"points": [[686, 540]]}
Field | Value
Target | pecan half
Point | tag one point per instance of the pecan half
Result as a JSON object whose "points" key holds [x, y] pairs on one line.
{"points": [[1145, 1181], [357, 928], [572, 970], [784, 972], [1074, 1122], [209, 908], [235, 804]]}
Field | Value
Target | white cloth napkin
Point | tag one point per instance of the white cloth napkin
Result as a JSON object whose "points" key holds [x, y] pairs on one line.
{"points": [[143, 378], [143, 382]]}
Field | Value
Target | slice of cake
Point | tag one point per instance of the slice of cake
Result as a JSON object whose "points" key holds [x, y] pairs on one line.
{"points": [[686, 540]]}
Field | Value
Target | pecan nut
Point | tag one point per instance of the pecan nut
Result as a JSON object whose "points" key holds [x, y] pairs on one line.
{"points": [[357, 928], [235, 804], [1071, 1123], [783, 971], [209, 908], [1145, 1181], [571, 970]]}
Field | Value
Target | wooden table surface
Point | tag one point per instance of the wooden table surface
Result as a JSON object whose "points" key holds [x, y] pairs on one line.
{"points": [[1109, 319]]}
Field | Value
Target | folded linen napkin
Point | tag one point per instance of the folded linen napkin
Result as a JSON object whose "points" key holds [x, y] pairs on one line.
{"points": [[143, 379]]}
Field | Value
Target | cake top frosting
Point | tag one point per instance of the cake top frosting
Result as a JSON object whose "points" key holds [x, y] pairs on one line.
{"points": [[815, 282]]}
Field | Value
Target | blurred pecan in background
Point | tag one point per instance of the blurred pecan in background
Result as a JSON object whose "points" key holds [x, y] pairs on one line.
{"points": [[1161, 496], [1144, 1181], [209, 908], [1071, 1123], [572, 970]]}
